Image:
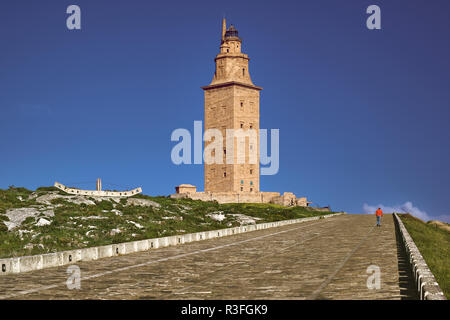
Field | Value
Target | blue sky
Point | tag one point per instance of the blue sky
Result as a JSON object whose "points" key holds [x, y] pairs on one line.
{"points": [[363, 114]]}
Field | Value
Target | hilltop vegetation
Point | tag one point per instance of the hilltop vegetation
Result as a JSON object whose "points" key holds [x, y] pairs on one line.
{"points": [[49, 220], [433, 243]]}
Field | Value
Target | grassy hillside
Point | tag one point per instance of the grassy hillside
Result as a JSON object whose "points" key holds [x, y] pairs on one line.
{"points": [[434, 245], [51, 220]]}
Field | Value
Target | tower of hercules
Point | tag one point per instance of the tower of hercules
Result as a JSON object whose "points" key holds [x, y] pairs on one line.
{"points": [[232, 160], [232, 102]]}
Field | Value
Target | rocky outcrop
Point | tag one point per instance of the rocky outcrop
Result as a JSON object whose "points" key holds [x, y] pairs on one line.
{"points": [[17, 216], [142, 203]]}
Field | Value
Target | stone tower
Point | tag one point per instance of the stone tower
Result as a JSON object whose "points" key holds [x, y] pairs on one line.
{"points": [[232, 102]]}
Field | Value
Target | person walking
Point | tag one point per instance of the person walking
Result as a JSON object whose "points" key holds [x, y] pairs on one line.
{"points": [[379, 214]]}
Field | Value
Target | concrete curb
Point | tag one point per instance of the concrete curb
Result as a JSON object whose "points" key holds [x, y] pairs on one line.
{"points": [[49, 260], [426, 285]]}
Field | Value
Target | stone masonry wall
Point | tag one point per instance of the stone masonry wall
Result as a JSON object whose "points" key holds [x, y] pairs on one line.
{"points": [[287, 199]]}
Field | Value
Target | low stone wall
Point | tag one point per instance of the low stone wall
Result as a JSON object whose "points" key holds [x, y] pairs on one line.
{"points": [[325, 209], [227, 197], [37, 262], [426, 284], [287, 199]]}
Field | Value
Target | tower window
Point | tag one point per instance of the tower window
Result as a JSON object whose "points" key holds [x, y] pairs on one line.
{"points": [[243, 72], [242, 188], [251, 126], [242, 104], [242, 125], [251, 171], [224, 174], [228, 50], [251, 189], [225, 151]]}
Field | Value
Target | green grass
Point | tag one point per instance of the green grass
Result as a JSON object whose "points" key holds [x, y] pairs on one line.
{"points": [[434, 245], [10, 198], [73, 228]]}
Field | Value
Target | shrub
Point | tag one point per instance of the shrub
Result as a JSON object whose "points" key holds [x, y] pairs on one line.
{"points": [[105, 205], [3, 227], [47, 189], [28, 220]]}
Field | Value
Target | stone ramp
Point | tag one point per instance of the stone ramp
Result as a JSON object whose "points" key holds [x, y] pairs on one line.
{"points": [[373, 246], [324, 259]]}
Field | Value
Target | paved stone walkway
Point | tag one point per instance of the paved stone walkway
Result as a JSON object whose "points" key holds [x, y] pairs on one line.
{"points": [[324, 259]]}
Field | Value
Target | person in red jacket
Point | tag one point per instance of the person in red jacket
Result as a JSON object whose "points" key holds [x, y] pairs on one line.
{"points": [[379, 214]]}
